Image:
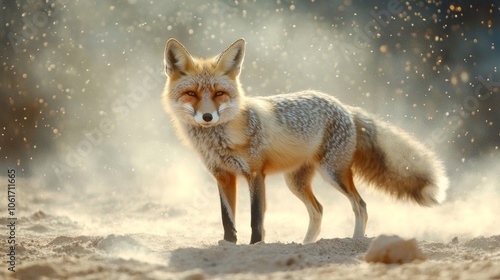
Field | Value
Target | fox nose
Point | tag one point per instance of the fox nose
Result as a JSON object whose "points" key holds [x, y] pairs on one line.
{"points": [[207, 117]]}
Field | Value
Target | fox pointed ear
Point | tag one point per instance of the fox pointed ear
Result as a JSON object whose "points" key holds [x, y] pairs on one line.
{"points": [[177, 59], [229, 61]]}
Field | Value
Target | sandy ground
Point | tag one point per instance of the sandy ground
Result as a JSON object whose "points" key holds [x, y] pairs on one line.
{"points": [[129, 235]]}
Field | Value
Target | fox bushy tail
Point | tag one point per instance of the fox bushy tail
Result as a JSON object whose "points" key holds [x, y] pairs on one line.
{"points": [[393, 161]]}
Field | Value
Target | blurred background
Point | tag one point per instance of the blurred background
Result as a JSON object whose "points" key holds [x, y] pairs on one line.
{"points": [[80, 81]]}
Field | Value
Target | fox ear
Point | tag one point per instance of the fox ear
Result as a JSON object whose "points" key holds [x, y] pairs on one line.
{"points": [[177, 58], [229, 61]]}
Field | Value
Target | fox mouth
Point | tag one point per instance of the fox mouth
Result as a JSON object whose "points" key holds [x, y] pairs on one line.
{"points": [[207, 124], [204, 123]]}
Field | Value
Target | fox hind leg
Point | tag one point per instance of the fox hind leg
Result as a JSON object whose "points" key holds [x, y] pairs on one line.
{"points": [[299, 182], [343, 181]]}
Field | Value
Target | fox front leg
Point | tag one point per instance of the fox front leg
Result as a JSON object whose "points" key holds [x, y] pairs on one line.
{"points": [[257, 206], [227, 192]]}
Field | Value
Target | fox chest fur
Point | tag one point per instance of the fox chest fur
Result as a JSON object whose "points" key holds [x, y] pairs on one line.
{"points": [[223, 148]]}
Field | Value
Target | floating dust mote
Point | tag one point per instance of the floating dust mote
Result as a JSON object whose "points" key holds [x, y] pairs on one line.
{"points": [[393, 249]]}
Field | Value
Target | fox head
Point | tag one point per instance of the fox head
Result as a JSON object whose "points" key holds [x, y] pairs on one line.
{"points": [[203, 92]]}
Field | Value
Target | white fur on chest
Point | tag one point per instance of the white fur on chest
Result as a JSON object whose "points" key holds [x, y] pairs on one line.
{"points": [[218, 149]]}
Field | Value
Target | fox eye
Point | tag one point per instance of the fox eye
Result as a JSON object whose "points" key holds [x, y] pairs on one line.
{"points": [[219, 93], [190, 93]]}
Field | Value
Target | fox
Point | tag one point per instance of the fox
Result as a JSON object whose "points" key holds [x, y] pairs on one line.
{"points": [[297, 134]]}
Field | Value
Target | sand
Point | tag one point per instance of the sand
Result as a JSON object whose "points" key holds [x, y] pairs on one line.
{"points": [[85, 234]]}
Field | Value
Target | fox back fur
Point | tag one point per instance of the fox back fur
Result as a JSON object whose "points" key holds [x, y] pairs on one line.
{"points": [[297, 134]]}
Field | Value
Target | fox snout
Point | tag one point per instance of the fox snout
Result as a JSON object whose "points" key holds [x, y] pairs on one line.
{"points": [[206, 119]]}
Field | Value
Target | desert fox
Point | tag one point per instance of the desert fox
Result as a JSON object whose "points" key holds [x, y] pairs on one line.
{"points": [[297, 134]]}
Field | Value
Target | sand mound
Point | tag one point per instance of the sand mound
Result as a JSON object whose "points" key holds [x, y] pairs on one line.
{"points": [[393, 249]]}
